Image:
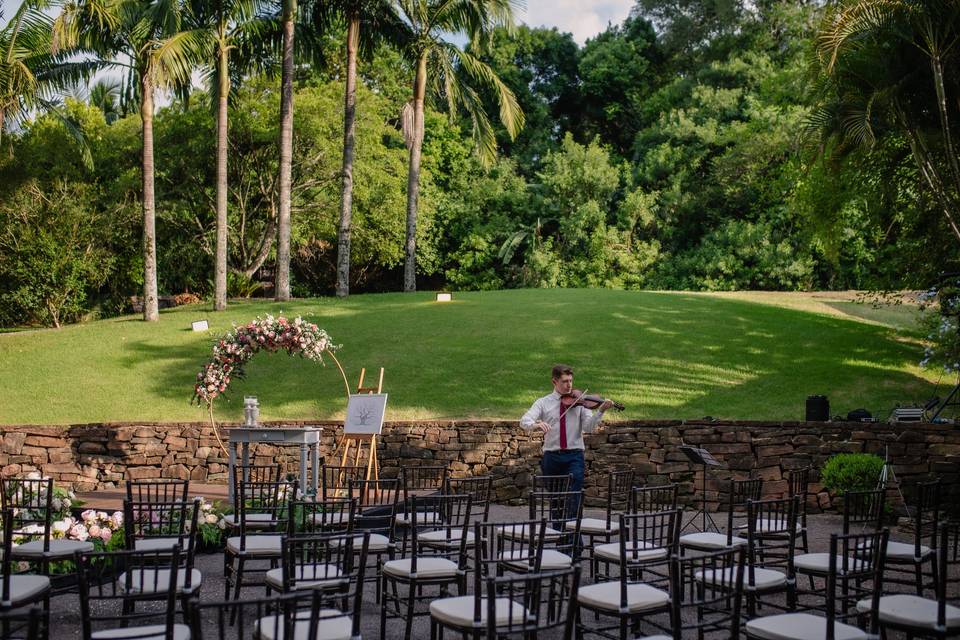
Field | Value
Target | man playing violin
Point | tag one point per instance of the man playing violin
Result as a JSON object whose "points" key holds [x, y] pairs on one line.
{"points": [[563, 422]]}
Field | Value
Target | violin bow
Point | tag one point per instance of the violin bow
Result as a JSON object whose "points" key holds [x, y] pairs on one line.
{"points": [[583, 393]]}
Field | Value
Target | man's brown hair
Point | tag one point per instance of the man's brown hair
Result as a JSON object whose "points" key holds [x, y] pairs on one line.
{"points": [[561, 370]]}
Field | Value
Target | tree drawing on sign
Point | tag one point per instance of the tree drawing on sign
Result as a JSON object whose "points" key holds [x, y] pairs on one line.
{"points": [[364, 414]]}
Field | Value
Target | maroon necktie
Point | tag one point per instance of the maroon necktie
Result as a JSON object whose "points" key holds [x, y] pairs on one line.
{"points": [[563, 427]]}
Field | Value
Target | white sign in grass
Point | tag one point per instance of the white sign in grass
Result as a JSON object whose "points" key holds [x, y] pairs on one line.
{"points": [[365, 413]]}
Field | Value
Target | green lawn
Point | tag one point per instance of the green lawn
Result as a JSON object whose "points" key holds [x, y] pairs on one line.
{"points": [[487, 354]]}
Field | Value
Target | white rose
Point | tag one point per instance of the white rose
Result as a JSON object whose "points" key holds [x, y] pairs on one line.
{"points": [[211, 518]]}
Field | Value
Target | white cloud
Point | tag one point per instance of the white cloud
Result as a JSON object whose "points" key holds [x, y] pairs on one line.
{"points": [[583, 18]]}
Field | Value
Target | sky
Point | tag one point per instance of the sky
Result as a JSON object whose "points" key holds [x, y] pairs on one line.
{"points": [[582, 18]]}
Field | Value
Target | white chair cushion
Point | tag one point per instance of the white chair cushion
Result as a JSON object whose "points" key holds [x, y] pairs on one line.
{"points": [[458, 612], [58, 549], [903, 552], [27, 588], [253, 520], [157, 580], [766, 524], [656, 638], [550, 559], [800, 626], [912, 611], [439, 538], [523, 532], [820, 563], [332, 625], [308, 576], [595, 526], [180, 632], [709, 540], [334, 518], [762, 578], [426, 568], [378, 543], [606, 596], [644, 551], [423, 517], [156, 544], [256, 545]]}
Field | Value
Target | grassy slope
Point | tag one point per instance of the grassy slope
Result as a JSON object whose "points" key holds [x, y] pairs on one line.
{"points": [[487, 354]]}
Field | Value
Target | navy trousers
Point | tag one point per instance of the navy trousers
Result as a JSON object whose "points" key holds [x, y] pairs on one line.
{"points": [[561, 463]]}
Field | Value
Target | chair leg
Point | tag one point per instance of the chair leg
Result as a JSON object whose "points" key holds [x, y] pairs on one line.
{"points": [[411, 601], [383, 607], [918, 569]]}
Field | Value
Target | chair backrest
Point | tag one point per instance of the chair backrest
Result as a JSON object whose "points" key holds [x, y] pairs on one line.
{"points": [[479, 488], [645, 537], [739, 493], [538, 602], [255, 473], [863, 508], [158, 526], [335, 480], [714, 605], [300, 614], [30, 501], [619, 484], [650, 499], [419, 479], [20, 624], [331, 515], [6, 560], [855, 571], [110, 581], [263, 508], [563, 511], [377, 502], [502, 547], [332, 562], [449, 517], [771, 536], [157, 490], [948, 547], [798, 484], [552, 483], [926, 515]]}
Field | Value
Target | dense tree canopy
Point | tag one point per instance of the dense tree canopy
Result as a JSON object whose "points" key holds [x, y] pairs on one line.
{"points": [[696, 145]]}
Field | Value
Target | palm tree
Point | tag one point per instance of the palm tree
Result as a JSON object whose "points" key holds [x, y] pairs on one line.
{"points": [[31, 74], [890, 65], [145, 38], [379, 22], [228, 25], [282, 286], [105, 95], [452, 73]]}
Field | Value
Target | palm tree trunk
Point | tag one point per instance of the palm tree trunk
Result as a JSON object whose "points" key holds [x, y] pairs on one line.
{"points": [[413, 177], [220, 268], [282, 291], [150, 310], [349, 131]]}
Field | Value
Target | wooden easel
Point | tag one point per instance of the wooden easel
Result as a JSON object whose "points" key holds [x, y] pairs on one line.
{"points": [[373, 468]]}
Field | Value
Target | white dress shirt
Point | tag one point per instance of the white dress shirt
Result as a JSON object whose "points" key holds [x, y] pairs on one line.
{"points": [[548, 409]]}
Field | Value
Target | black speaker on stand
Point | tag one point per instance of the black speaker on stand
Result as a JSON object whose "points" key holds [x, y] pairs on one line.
{"points": [[818, 409]]}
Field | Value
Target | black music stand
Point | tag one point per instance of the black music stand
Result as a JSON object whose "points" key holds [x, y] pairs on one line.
{"points": [[704, 459]]}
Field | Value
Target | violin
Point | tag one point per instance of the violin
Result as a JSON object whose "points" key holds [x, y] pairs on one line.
{"points": [[578, 398]]}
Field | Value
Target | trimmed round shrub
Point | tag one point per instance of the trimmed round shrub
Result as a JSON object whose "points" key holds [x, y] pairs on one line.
{"points": [[851, 472]]}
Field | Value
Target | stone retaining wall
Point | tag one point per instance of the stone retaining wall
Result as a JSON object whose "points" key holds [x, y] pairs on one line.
{"points": [[98, 456]]}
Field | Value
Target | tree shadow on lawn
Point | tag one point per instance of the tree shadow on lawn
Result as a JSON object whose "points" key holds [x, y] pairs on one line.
{"points": [[664, 355]]}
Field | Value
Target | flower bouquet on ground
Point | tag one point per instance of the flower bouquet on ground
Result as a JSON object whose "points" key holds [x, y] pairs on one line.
{"points": [[211, 524]]}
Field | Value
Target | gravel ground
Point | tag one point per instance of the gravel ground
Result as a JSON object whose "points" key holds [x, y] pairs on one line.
{"points": [[65, 611]]}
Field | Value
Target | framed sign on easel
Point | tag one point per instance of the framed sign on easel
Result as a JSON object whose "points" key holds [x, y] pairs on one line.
{"points": [[364, 422]]}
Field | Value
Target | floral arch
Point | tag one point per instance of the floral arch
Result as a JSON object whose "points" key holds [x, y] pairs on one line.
{"points": [[235, 349]]}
